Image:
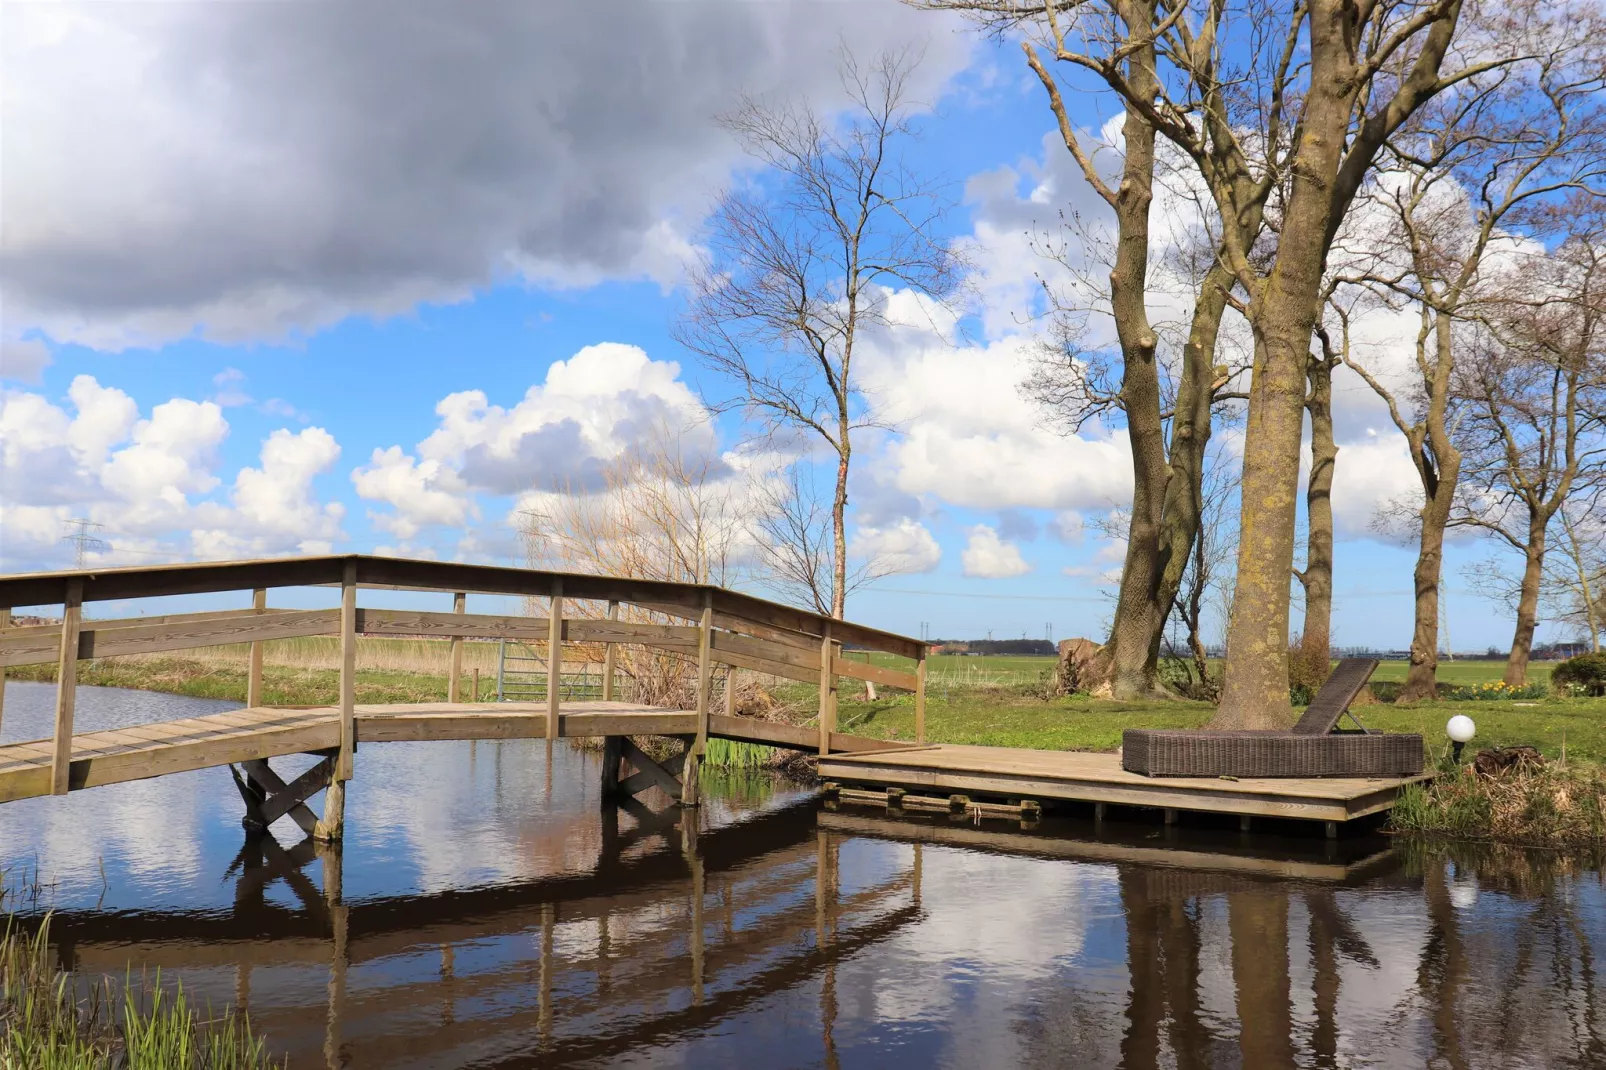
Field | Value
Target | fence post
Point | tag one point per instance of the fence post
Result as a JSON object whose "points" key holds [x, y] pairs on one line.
{"points": [[253, 674], [554, 661], [827, 690], [607, 658], [920, 697], [455, 672], [72, 613]]}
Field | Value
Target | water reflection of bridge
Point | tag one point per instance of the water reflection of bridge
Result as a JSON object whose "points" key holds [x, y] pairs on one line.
{"points": [[669, 932]]}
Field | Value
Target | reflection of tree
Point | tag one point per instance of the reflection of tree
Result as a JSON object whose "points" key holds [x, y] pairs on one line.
{"points": [[1257, 916], [1443, 968], [1331, 932]]}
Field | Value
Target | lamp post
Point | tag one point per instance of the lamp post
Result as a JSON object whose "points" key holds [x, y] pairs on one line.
{"points": [[1460, 729]]}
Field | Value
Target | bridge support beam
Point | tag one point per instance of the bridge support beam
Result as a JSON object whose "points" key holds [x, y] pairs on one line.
{"points": [[268, 797], [676, 776]]}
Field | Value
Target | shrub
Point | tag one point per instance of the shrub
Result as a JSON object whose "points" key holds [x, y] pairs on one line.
{"points": [[1308, 670], [1494, 691], [1586, 672]]}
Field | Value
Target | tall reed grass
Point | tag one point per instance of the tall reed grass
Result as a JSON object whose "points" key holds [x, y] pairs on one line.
{"points": [[49, 1022]]}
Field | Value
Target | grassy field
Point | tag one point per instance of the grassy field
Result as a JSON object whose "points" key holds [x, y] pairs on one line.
{"points": [[1080, 723], [995, 701]]}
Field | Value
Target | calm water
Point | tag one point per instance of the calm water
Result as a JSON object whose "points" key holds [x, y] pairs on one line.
{"points": [[484, 913]]}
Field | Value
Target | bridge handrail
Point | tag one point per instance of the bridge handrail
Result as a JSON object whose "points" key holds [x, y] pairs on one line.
{"points": [[731, 628]]}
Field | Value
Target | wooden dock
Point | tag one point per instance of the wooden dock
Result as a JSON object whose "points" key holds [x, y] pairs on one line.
{"points": [[1081, 776]]}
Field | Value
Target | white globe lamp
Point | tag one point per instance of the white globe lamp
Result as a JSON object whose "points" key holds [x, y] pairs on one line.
{"points": [[1460, 729]]}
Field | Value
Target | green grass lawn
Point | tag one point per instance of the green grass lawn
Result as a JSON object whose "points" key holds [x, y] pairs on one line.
{"points": [[1080, 723], [961, 666]]}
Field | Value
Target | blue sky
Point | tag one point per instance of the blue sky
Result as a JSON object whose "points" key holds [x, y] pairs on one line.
{"points": [[255, 249]]}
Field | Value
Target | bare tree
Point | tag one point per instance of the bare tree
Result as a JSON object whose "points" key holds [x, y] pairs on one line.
{"points": [[801, 262], [1461, 184], [793, 530], [660, 511], [1536, 405], [1168, 424], [1207, 582]]}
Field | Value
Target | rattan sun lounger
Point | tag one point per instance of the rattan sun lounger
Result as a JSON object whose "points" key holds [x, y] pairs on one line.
{"points": [[1315, 747]]}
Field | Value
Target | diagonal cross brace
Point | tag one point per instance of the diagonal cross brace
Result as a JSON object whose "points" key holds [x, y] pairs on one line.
{"points": [[649, 772], [279, 798]]}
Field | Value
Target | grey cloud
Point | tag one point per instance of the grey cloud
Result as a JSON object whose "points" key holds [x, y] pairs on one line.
{"points": [[276, 167], [23, 359], [558, 455], [553, 456], [1017, 526]]}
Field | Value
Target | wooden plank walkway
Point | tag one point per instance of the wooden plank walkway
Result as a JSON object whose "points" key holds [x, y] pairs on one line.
{"points": [[114, 756], [1084, 776], [138, 752]]}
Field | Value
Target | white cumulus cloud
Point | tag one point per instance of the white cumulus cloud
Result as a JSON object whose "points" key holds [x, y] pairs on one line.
{"points": [[989, 557]]}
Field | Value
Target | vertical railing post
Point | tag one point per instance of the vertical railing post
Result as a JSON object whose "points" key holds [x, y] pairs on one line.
{"points": [[730, 691], [920, 697], [827, 690], [554, 661], [72, 613], [454, 679], [348, 673], [5, 622], [608, 659], [253, 672], [332, 825], [705, 683]]}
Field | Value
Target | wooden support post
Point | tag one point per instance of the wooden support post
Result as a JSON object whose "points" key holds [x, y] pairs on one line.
{"points": [[1170, 815], [607, 658], [72, 613], [455, 672], [920, 697], [730, 691], [1332, 830], [554, 661], [5, 622], [1243, 823], [1099, 810], [705, 683], [827, 691], [332, 825], [476, 697], [253, 675], [613, 753], [348, 675]]}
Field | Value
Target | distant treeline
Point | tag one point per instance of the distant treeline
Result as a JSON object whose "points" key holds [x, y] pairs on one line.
{"points": [[1039, 647]]}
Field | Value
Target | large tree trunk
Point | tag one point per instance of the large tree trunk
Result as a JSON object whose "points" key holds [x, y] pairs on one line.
{"points": [[1171, 527], [1527, 606], [1316, 638], [1125, 658], [1438, 465], [1254, 691], [1283, 316]]}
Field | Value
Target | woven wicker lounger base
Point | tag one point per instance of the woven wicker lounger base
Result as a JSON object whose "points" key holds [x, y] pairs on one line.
{"points": [[1270, 754]]}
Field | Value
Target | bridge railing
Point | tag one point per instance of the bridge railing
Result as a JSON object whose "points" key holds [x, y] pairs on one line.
{"points": [[722, 626]]}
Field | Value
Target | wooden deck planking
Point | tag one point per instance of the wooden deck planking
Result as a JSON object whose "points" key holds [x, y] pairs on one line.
{"points": [[137, 752], [1085, 776]]}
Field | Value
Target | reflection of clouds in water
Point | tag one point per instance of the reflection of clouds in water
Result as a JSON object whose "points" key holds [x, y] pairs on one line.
{"points": [[984, 949], [150, 833]]}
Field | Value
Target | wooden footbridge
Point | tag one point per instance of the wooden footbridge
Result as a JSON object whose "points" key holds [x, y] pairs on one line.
{"points": [[706, 626], [712, 630]]}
